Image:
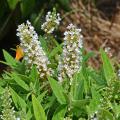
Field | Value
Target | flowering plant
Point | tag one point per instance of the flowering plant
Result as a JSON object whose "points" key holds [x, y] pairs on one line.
{"points": [[57, 84]]}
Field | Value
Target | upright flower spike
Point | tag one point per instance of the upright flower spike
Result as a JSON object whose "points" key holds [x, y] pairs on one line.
{"points": [[71, 58], [33, 52], [52, 20], [8, 112]]}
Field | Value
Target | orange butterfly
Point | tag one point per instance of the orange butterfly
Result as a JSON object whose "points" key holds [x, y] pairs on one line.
{"points": [[19, 53]]}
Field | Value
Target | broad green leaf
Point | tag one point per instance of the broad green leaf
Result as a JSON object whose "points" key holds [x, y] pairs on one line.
{"points": [[107, 66], [20, 67], [9, 59], [80, 90], [79, 107], [78, 86], [57, 90], [38, 109], [12, 3], [98, 77], [19, 81], [5, 63], [1, 90], [29, 115], [105, 115], [60, 112], [94, 102], [85, 73], [18, 101], [80, 103], [34, 73]]}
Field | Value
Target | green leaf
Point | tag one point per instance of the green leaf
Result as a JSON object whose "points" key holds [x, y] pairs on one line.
{"points": [[55, 51], [9, 59], [107, 67], [43, 44], [29, 115], [20, 67], [18, 101], [51, 103], [89, 55], [85, 73], [20, 82], [38, 109], [80, 103], [105, 115], [116, 109], [98, 77], [1, 90], [94, 102], [12, 3], [41, 96], [5, 63], [60, 112], [34, 73], [27, 7], [57, 90], [78, 86]]}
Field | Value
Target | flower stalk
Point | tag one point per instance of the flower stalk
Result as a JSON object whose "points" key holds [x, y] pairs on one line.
{"points": [[33, 52], [52, 20], [71, 58]]}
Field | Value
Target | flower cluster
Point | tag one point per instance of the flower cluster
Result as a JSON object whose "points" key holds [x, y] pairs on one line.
{"points": [[108, 51], [94, 116], [71, 57], [33, 52], [119, 73], [52, 20], [8, 112]]}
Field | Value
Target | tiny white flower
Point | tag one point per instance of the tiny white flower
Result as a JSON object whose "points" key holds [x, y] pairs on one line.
{"points": [[33, 52], [71, 57], [119, 73], [107, 49], [52, 21], [17, 118]]}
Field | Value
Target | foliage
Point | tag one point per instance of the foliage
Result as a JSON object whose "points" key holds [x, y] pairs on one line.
{"points": [[92, 94]]}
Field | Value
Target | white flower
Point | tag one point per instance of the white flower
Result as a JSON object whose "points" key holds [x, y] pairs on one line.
{"points": [[8, 112], [119, 73], [71, 57], [33, 52], [107, 49], [52, 20], [17, 118], [95, 118]]}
